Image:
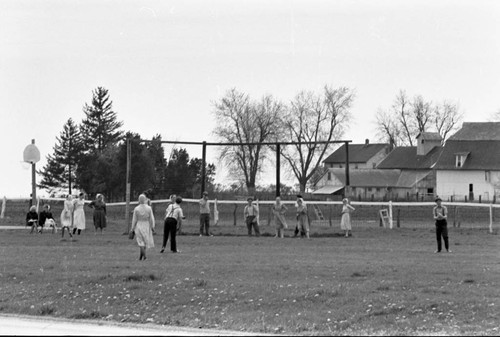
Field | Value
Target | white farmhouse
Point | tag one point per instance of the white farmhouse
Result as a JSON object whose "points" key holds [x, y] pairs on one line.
{"points": [[469, 166]]}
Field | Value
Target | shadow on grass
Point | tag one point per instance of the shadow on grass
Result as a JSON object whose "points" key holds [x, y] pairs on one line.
{"points": [[141, 278]]}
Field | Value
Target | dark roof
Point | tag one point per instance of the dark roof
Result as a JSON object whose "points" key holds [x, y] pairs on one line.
{"points": [[405, 157], [358, 153], [368, 177], [430, 136], [379, 178], [483, 155], [478, 131]]}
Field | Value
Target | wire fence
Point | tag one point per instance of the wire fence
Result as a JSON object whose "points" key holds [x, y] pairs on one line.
{"points": [[322, 214]]}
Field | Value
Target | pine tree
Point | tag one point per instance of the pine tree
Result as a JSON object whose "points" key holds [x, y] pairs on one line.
{"points": [[61, 165], [100, 128]]}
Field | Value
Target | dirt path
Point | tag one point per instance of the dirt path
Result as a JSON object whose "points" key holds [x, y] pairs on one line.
{"points": [[44, 326]]}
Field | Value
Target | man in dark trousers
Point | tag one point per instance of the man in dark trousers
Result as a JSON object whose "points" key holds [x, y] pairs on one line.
{"points": [[440, 213]]}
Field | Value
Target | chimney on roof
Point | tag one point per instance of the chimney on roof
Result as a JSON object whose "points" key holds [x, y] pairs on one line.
{"points": [[367, 141]]}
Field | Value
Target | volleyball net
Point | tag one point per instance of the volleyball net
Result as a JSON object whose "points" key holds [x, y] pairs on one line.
{"points": [[321, 213]]}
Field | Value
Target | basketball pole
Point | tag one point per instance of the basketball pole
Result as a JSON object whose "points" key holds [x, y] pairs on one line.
{"points": [[33, 179]]}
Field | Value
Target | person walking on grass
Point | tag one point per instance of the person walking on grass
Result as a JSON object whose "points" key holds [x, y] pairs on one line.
{"points": [[440, 213], [67, 216], [279, 210], [302, 218], [172, 224], [251, 213], [143, 225], [99, 216], [345, 220], [205, 215], [79, 214]]}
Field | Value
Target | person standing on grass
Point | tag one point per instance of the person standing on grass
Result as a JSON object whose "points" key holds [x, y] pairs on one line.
{"points": [[165, 229], [205, 215], [251, 213], [302, 218], [440, 213], [143, 225], [173, 223], [99, 217], [67, 216], [32, 219], [345, 221], [279, 210], [79, 214]]}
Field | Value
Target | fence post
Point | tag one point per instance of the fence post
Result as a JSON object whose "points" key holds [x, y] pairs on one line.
{"points": [[491, 218], [234, 213], [398, 223], [390, 214], [4, 201], [330, 215]]}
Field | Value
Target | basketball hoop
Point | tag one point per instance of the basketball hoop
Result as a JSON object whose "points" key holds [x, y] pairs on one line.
{"points": [[31, 153]]}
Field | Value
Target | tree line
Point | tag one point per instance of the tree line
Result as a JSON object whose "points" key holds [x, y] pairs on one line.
{"points": [[92, 156]]}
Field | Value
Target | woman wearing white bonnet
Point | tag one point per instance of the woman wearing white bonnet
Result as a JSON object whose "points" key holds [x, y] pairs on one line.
{"points": [[143, 224]]}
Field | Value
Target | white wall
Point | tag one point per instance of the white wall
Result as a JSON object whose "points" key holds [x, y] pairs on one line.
{"points": [[456, 183]]}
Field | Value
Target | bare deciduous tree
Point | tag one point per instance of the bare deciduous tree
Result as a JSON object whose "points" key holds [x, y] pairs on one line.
{"points": [[240, 120], [402, 124], [312, 118]]}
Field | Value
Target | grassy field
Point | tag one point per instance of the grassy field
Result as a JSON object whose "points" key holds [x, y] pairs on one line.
{"points": [[378, 282]]}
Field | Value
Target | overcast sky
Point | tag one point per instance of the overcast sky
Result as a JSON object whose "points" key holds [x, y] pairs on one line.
{"points": [[166, 62]]}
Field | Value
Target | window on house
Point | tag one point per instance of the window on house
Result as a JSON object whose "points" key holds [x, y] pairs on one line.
{"points": [[430, 191], [378, 189], [329, 176], [460, 159], [487, 176], [356, 166], [340, 166]]}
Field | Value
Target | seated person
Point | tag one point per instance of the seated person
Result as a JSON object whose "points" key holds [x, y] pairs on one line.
{"points": [[32, 218], [46, 218]]}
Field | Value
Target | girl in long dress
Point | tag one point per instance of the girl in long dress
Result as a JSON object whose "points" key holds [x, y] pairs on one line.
{"points": [[143, 225], [79, 214], [345, 221], [99, 216], [279, 210], [302, 218], [67, 216]]}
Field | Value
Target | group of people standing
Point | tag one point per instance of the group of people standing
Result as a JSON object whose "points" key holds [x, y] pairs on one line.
{"points": [[251, 213], [72, 216]]}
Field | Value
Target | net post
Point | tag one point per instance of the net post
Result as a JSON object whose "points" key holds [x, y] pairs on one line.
{"points": [[127, 189]]}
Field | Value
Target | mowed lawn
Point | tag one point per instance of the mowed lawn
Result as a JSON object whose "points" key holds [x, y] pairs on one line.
{"points": [[378, 282]]}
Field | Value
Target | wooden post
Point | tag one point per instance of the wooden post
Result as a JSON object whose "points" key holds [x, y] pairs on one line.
{"points": [[491, 217], [390, 214], [203, 164], [278, 183], [398, 223], [234, 214], [127, 189]]}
